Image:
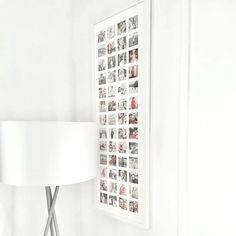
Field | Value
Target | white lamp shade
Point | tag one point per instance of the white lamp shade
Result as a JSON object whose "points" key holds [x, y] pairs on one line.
{"points": [[47, 153]]}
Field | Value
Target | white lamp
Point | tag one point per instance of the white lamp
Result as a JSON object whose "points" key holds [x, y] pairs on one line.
{"points": [[47, 154]]}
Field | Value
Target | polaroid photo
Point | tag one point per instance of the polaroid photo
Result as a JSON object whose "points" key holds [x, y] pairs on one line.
{"points": [[113, 201], [133, 191], [121, 43], [133, 22], [103, 159], [102, 133], [102, 79], [133, 148], [112, 133], [122, 59], [103, 146], [102, 92], [123, 203], [122, 74], [133, 162], [122, 118], [111, 62], [133, 133], [112, 105], [122, 162], [101, 36], [133, 206], [103, 185], [111, 33], [101, 65], [102, 50], [133, 72], [111, 47], [103, 172], [133, 103], [122, 104], [133, 55], [122, 89], [133, 39], [103, 119], [133, 118], [112, 91], [102, 106], [103, 198], [122, 147], [133, 87], [133, 177], [113, 187], [113, 174], [122, 175], [111, 119], [123, 190], [121, 27], [122, 133], [112, 160], [112, 76], [112, 146]]}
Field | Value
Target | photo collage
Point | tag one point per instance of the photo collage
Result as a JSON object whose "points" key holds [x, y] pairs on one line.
{"points": [[118, 108]]}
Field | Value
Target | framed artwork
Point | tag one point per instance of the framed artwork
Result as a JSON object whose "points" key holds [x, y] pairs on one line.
{"points": [[122, 79]]}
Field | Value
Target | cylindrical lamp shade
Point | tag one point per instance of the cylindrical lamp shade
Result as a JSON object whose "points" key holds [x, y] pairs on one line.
{"points": [[47, 153]]}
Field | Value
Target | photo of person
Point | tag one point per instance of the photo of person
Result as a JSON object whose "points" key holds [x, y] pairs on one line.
{"points": [[102, 106], [101, 36], [111, 119], [101, 50], [133, 55], [103, 159], [122, 175], [113, 174], [111, 76], [133, 72], [122, 59], [122, 104], [111, 62], [112, 146], [102, 133], [133, 87], [121, 27], [133, 133], [103, 198], [101, 65], [111, 32], [112, 160], [122, 118], [111, 105], [133, 118], [122, 133], [103, 172], [133, 39], [103, 119], [122, 190], [122, 74], [112, 91], [102, 79], [133, 103], [102, 92], [133, 206], [133, 177], [122, 147], [112, 133], [111, 47], [103, 146], [103, 185], [122, 89], [133, 148], [112, 187], [133, 22], [122, 162], [133, 162], [113, 201], [133, 192], [123, 203], [121, 43]]}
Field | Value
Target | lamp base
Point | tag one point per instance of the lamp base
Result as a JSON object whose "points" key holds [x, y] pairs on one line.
{"points": [[52, 219]]}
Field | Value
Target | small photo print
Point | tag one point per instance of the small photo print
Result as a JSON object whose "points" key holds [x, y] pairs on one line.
{"points": [[103, 159], [111, 32], [103, 185], [133, 118], [103, 146], [133, 162], [133, 192], [103, 198], [123, 203], [133, 22], [101, 65], [102, 133], [111, 47], [133, 55], [133, 206], [122, 133], [103, 119], [122, 189], [101, 36], [112, 160], [102, 106], [122, 89], [111, 62], [122, 175], [111, 105], [133, 87], [122, 147], [122, 118], [101, 50], [112, 187], [112, 146], [102, 79], [122, 162], [112, 76], [113, 174], [121, 27], [133, 177], [133, 39], [111, 119], [133, 72], [122, 74], [121, 43], [133, 103], [103, 172], [112, 91], [113, 201], [133, 148], [112, 133], [102, 92], [122, 59], [122, 104], [133, 133]]}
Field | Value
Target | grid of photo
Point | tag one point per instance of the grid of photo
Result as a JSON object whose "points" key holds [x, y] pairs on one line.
{"points": [[118, 107]]}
